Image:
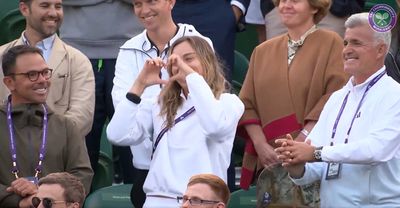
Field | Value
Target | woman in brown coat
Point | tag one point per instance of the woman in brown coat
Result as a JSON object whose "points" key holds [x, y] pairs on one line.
{"points": [[290, 78]]}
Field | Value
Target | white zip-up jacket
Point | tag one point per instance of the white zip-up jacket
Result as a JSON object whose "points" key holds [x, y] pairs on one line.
{"points": [[130, 61]]}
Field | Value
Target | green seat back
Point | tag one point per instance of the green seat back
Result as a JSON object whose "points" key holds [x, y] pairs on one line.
{"points": [[105, 145], [239, 71], [117, 196], [12, 23], [370, 3], [243, 199], [104, 175]]}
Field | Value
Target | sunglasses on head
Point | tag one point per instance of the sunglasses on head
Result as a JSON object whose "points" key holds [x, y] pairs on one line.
{"points": [[46, 202]]}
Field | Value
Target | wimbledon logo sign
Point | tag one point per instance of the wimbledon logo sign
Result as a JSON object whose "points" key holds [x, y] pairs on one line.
{"points": [[382, 17]]}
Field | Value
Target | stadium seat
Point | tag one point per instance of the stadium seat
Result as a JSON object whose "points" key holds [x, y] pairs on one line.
{"points": [[370, 3], [117, 196], [243, 199], [239, 71], [247, 40], [104, 175], [105, 172], [12, 23]]}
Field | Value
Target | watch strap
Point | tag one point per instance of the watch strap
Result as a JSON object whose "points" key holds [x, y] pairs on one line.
{"points": [[133, 98]]}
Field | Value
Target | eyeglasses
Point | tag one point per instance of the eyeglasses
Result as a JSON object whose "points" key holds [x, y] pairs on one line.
{"points": [[194, 202], [33, 76], [47, 202]]}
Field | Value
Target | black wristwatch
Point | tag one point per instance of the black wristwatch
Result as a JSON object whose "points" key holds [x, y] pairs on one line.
{"points": [[133, 98], [317, 154]]}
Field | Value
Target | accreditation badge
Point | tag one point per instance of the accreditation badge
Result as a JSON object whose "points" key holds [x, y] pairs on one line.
{"points": [[333, 171], [32, 179]]}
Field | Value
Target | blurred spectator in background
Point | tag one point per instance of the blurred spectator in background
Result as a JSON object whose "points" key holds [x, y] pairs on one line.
{"points": [[255, 17], [392, 61]]}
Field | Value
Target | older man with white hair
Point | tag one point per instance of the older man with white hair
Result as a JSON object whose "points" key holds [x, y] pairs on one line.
{"points": [[354, 149]]}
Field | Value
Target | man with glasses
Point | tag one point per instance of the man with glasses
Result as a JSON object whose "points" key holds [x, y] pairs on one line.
{"points": [[72, 90], [61, 190], [205, 190], [35, 141]]}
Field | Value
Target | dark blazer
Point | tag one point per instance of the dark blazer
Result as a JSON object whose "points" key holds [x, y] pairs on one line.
{"points": [[392, 61]]}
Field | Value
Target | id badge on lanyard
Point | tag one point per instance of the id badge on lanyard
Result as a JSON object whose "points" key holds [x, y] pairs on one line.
{"points": [[333, 171], [32, 179]]}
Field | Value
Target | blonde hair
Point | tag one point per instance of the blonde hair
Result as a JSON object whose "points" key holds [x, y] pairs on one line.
{"points": [[170, 99], [321, 5], [217, 185]]}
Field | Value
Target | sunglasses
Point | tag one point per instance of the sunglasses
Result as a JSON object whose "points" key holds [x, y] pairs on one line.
{"points": [[46, 202]]}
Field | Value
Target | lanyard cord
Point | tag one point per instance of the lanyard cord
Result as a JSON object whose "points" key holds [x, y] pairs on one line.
{"points": [[13, 149], [164, 130], [370, 84]]}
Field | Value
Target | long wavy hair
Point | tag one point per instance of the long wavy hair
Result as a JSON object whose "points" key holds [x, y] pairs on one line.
{"points": [[170, 97]]}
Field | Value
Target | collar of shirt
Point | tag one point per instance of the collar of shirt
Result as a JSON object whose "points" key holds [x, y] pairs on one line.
{"points": [[361, 87], [149, 44], [45, 45]]}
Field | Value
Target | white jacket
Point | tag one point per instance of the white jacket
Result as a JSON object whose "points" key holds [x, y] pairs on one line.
{"points": [[201, 143], [371, 159], [130, 61]]}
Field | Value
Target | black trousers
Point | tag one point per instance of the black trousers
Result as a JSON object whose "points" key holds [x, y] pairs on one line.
{"points": [[138, 197]]}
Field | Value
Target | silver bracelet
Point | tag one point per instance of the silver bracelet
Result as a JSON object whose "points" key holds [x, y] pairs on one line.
{"points": [[305, 132]]}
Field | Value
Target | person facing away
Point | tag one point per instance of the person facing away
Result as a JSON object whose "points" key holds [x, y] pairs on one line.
{"points": [[159, 34], [180, 123], [35, 140], [289, 79], [205, 190], [72, 89], [59, 190], [354, 149]]}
